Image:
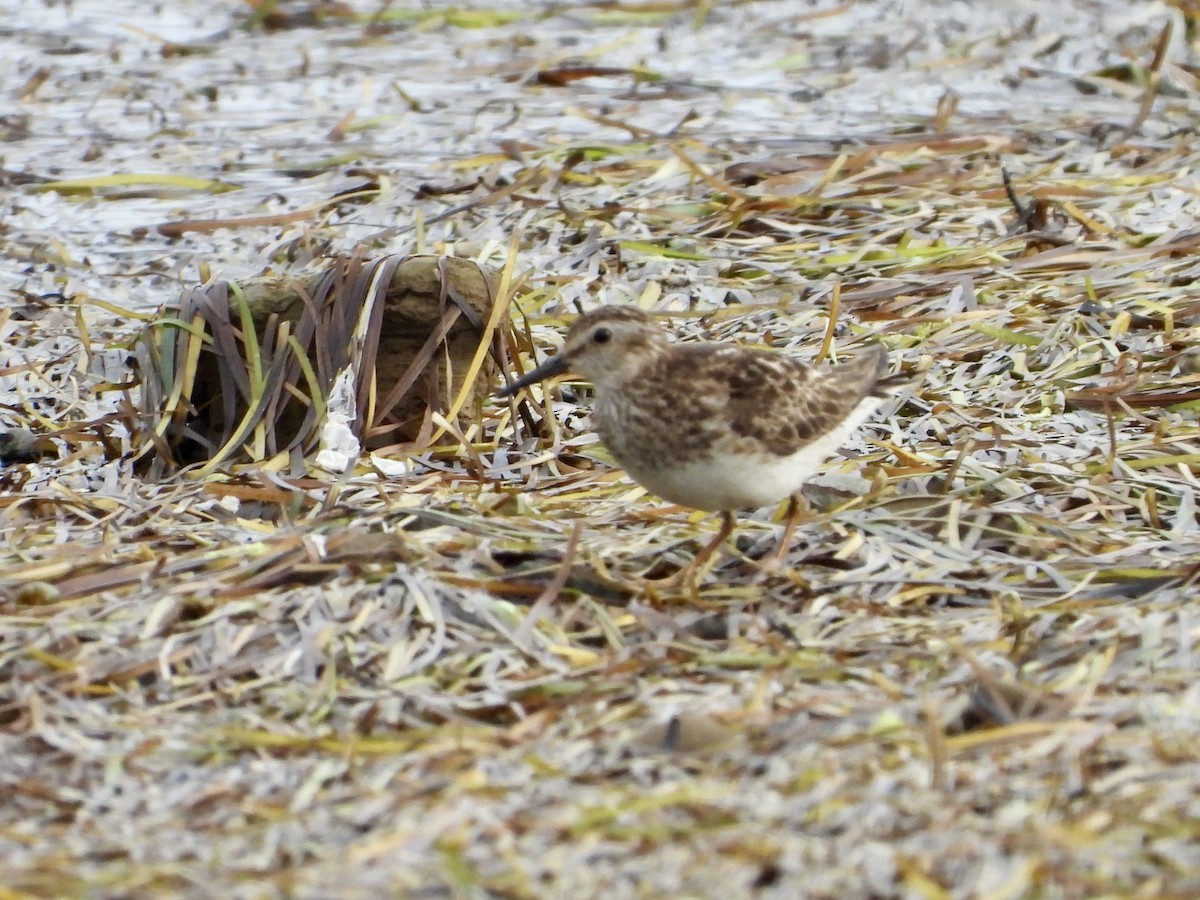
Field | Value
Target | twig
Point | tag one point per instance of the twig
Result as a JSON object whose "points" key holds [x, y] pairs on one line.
{"points": [[553, 588], [1024, 213], [1154, 84]]}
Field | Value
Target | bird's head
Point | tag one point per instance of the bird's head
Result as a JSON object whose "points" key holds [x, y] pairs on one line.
{"points": [[605, 346]]}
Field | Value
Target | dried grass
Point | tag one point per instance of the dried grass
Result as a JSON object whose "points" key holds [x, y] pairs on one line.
{"points": [[974, 677], [257, 372]]}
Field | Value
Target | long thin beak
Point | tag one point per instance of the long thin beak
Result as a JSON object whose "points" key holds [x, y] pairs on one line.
{"points": [[555, 365]]}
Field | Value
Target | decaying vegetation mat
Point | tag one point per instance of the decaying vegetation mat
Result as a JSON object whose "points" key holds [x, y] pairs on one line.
{"points": [[975, 675]]}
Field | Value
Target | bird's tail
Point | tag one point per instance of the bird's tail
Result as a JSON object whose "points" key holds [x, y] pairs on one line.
{"points": [[870, 369]]}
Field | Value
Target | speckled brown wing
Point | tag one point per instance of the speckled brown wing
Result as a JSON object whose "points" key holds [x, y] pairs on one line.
{"points": [[731, 399], [759, 400]]}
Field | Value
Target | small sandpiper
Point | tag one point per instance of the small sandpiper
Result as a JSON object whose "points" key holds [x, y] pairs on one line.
{"points": [[713, 426]]}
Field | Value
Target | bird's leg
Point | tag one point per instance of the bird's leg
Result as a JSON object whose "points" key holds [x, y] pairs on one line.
{"points": [[723, 533], [694, 571], [797, 512]]}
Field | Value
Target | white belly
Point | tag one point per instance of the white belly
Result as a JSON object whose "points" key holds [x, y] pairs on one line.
{"points": [[728, 481]]}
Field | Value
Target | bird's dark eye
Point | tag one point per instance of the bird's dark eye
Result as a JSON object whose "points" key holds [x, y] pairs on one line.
{"points": [[601, 336]]}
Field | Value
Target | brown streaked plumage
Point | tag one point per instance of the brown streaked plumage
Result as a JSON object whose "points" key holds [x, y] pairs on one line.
{"points": [[713, 426]]}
